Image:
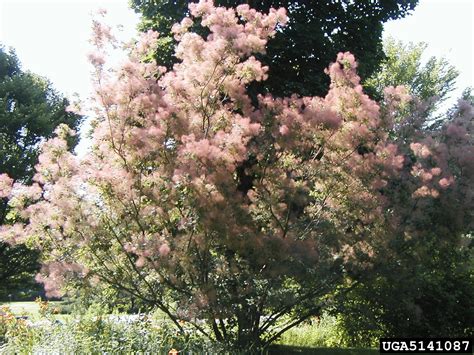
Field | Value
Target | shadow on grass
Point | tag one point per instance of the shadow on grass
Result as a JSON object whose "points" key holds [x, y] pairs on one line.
{"points": [[284, 349]]}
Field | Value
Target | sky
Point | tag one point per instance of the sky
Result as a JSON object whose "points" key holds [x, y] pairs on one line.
{"points": [[50, 37], [447, 27]]}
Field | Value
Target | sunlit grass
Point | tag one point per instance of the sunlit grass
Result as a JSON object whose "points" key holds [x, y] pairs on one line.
{"points": [[23, 308]]}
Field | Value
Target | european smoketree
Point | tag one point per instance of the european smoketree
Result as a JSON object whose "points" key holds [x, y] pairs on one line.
{"points": [[238, 217]]}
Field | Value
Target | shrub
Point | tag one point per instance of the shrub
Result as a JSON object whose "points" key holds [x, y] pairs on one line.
{"points": [[97, 332]]}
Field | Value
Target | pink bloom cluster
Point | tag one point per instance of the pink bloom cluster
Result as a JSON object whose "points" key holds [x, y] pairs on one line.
{"points": [[56, 276], [397, 96], [5, 185]]}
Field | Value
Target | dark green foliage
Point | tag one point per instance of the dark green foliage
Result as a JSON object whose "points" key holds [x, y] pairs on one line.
{"points": [[425, 291], [17, 265], [300, 52], [420, 287], [289, 350], [30, 110]]}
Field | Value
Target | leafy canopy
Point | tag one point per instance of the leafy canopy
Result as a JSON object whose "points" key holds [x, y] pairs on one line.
{"points": [[430, 80], [316, 31]]}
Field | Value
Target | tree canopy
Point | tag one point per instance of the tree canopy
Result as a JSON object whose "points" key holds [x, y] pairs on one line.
{"points": [[30, 110], [430, 80], [316, 31]]}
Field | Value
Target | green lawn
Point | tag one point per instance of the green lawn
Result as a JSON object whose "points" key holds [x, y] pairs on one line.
{"points": [[30, 309], [23, 308], [303, 335]]}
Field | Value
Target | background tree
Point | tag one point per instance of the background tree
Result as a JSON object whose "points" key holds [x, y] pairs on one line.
{"points": [[30, 109], [430, 80], [422, 284], [317, 30]]}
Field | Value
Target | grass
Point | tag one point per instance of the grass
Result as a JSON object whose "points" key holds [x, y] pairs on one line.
{"points": [[32, 309], [23, 308], [319, 338], [318, 334]]}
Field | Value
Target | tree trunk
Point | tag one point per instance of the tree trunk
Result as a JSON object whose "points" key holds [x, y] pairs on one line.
{"points": [[248, 337]]}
